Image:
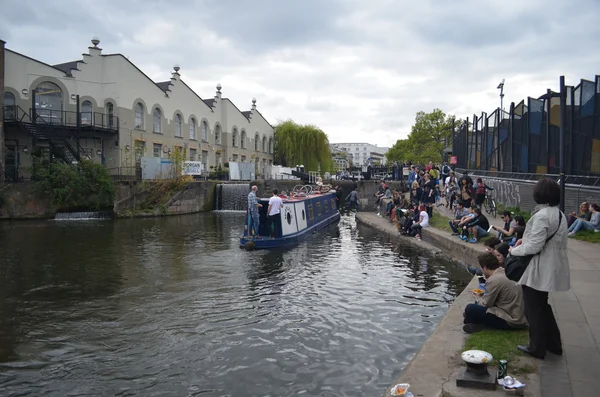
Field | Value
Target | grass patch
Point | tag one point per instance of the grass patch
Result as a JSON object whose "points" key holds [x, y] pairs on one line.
{"points": [[502, 345], [587, 235], [440, 221]]}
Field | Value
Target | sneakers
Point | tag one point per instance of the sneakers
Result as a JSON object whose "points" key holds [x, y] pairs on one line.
{"points": [[418, 236], [454, 234], [463, 238], [571, 234], [473, 240]]}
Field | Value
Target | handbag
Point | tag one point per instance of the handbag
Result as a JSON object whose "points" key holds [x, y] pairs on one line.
{"points": [[515, 266]]}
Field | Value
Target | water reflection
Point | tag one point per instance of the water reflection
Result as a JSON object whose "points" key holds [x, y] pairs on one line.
{"points": [[172, 306]]}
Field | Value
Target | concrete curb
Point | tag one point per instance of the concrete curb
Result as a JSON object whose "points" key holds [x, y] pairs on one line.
{"points": [[433, 369]]}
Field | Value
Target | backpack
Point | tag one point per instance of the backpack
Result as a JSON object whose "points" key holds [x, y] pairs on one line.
{"points": [[446, 170], [480, 189]]}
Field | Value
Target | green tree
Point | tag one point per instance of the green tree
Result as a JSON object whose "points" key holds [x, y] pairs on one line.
{"points": [[89, 188], [302, 144], [426, 139]]}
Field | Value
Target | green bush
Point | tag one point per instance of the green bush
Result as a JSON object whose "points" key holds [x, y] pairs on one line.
{"points": [[88, 187]]}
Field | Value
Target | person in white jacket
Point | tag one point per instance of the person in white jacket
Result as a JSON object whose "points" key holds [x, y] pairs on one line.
{"points": [[545, 237]]}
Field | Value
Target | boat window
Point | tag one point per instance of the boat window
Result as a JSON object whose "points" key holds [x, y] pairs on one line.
{"points": [[332, 203], [326, 205], [318, 205], [310, 212], [289, 218], [303, 215]]}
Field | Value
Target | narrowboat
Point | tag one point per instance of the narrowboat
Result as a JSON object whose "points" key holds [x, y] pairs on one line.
{"points": [[305, 211]]}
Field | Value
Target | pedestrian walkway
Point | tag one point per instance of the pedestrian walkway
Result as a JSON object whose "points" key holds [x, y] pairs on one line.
{"points": [[577, 372]]}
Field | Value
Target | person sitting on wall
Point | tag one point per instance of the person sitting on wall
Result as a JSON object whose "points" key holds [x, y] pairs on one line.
{"points": [[502, 305], [423, 222], [464, 222], [490, 246], [508, 231], [460, 213], [477, 227], [584, 213]]}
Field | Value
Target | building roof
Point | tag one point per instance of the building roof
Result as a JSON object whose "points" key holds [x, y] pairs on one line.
{"points": [[209, 102], [164, 85], [67, 66], [246, 114]]}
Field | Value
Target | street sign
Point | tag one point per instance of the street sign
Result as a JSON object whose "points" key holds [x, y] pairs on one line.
{"points": [[453, 160]]}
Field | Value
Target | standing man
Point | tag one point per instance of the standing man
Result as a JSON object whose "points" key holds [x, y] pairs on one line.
{"points": [[253, 206], [396, 171], [274, 211]]}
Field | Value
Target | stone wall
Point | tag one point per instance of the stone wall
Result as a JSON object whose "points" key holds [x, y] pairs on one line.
{"points": [[516, 193], [17, 201], [196, 197]]}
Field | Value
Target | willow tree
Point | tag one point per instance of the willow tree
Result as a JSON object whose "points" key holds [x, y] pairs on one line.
{"points": [[297, 144]]}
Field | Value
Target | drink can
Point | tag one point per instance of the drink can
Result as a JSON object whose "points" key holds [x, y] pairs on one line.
{"points": [[502, 369]]}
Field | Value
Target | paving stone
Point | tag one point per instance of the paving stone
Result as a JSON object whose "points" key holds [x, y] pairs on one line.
{"points": [[590, 306], [594, 323], [585, 289], [581, 264], [584, 389], [585, 276], [577, 334], [583, 363], [563, 296], [568, 312]]}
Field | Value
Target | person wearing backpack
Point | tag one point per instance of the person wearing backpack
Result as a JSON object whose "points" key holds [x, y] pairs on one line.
{"points": [[480, 191], [545, 240], [445, 173]]}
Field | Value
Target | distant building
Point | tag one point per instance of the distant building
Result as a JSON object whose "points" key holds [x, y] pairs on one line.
{"points": [[363, 153]]}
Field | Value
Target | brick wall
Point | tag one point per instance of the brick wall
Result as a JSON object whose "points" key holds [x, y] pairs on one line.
{"points": [[517, 193]]}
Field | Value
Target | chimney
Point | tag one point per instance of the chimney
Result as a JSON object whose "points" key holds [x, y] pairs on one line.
{"points": [[175, 74], [218, 93], [95, 50]]}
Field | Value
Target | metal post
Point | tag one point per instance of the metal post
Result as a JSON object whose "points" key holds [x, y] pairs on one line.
{"points": [[78, 114], [511, 125], [498, 121], [563, 116], [466, 145]]}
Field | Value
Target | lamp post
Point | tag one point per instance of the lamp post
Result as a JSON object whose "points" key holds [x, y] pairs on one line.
{"points": [[78, 122], [501, 88], [563, 120]]}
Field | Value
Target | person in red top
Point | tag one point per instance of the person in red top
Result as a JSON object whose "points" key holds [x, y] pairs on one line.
{"points": [[480, 190]]}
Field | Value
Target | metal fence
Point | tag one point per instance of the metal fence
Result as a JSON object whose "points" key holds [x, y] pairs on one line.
{"points": [[526, 138]]}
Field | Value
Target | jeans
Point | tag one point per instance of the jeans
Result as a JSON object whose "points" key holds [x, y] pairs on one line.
{"points": [[481, 232], [353, 204], [581, 224], [254, 221], [477, 314], [453, 227]]}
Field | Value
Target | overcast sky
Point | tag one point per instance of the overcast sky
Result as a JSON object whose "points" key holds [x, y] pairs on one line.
{"points": [[360, 70]]}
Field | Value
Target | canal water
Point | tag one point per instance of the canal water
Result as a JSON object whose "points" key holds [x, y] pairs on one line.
{"points": [[172, 307]]}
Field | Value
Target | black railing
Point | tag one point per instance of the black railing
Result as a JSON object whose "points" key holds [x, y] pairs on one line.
{"points": [[126, 173], [64, 118]]}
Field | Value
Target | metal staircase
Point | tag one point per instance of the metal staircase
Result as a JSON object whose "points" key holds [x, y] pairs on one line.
{"points": [[63, 143]]}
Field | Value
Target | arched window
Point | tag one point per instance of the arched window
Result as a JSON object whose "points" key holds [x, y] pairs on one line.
{"points": [[217, 134], [243, 139], [86, 113], [156, 120], [264, 144], [270, 145], [9, 106], [178, 125], [256, 142], [139, 116], [204, 131], [49, 102], [234, 137], [110, 114], [192, 128]]}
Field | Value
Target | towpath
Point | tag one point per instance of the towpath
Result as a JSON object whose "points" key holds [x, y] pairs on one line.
{"points": [[577, 372]]}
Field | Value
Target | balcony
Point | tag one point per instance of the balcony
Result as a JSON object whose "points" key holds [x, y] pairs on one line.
{"points": [[89, 120]]}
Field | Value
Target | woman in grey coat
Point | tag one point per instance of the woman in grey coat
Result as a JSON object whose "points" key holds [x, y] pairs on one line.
{"points": [[545, 238]]}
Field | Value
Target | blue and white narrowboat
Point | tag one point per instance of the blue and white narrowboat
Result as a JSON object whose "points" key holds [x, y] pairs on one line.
{"points": [[305, 211]]}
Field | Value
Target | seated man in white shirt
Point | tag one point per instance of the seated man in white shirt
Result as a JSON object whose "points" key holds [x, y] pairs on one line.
{"points": [[274, 212]]}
